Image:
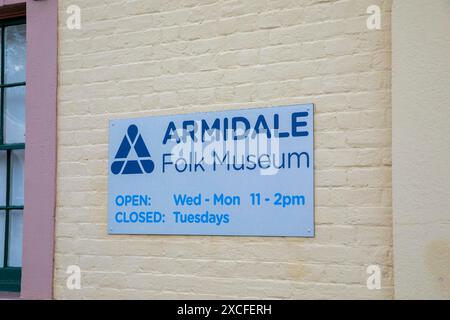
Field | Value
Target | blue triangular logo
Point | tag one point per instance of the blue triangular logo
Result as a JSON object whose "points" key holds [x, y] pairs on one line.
{"points": [[143, 164]]}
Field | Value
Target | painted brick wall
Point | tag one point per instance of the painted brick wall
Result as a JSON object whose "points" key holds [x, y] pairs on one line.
{"points": [[138, 58]]}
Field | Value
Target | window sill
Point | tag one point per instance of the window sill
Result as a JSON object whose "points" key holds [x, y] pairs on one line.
{"points": [[9, 295]]}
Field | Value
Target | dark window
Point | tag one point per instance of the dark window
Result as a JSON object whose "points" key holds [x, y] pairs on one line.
{"points": [[12, 151]]}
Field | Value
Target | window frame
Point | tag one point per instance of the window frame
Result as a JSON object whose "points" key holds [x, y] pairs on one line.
{"points": [[40, 152], [10, 277]]}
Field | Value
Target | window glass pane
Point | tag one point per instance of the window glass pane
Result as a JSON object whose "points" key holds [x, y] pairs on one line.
{"points": [[15, 238], [15, 53], [2, 237], [17, 165], [15, 115], [2, 178]]}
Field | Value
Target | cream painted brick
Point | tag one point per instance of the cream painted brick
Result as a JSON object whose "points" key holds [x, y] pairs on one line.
{"points": [[370, 177], [331, 178], [354, 216], [165, 57]]}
